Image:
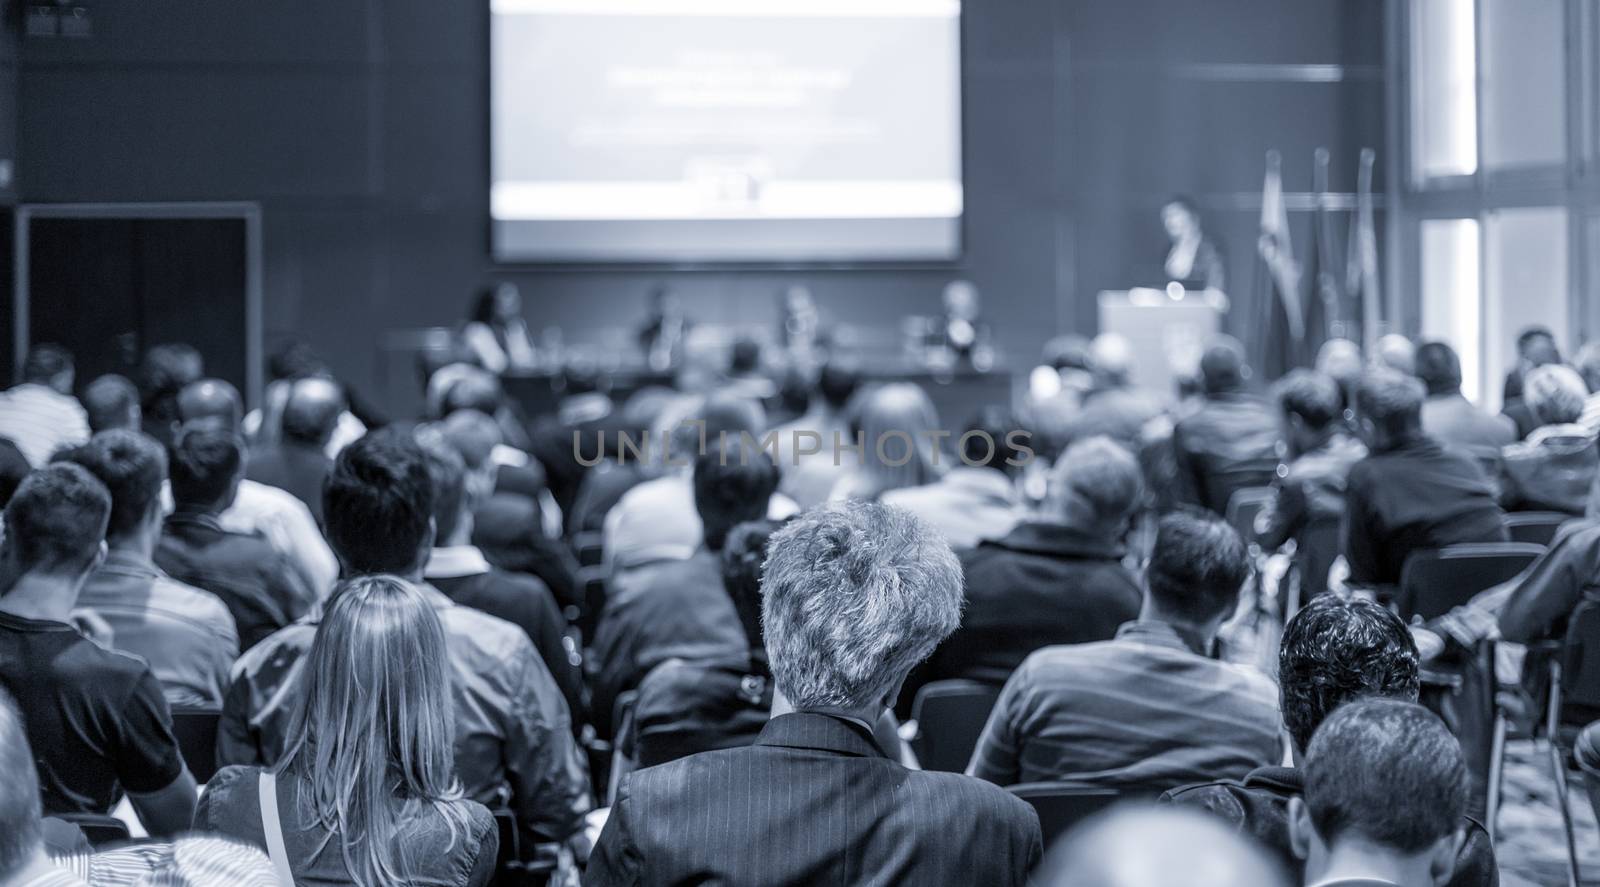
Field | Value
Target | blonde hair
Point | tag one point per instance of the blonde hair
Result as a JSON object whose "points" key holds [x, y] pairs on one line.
{"points": [[374, 731]]}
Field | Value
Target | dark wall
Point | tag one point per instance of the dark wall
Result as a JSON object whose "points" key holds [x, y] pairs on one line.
{"points": [[361, 128]]}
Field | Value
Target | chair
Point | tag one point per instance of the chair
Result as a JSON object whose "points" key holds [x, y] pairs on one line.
{"points": [[1243, 507], [1537, 527], [587, 546], [592, 585], [1062, 805], [512, 869], [1434, 582], [950, 716], [101, 830], [196, 731]]}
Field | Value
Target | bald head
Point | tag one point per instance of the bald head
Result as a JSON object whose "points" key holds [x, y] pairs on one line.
{"points": [[1111, 356], [210, 402], [1158, 847], [1397, 353], [312, 410], [111, 402], [1341, 359]]}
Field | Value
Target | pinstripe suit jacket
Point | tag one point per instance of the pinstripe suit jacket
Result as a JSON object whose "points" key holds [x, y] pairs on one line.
{"points": [[814, 802]]}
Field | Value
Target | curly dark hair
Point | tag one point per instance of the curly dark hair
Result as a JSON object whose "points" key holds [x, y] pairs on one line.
{"points": [[1338, 649]]}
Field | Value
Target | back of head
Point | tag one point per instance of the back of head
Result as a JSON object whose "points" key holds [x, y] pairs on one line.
{"points": [[986, 441], [1197, 567], [294, 359], [1388, 771], [377, 503], [1341, 359], [132, 466], [896, 420], [111, 402], [447, 472], [1397, 353], [1313, 397], [20, 830], [732, 484], [1069, 352], [206, 465], [211, 402], [837, 383], [1535, 343], [853, 596], [744, 357], [1096, 484], [56, 520], [1111, 356], [475, 390], [1338, 649], [165, 371], [1392, 401], [311, 411], [1141, 846], [374, 725], [730, 413], [1439, 368], [473, 434], [742, 556], [1222, 366], [49, 365], [580, 375], [1555, 393]]}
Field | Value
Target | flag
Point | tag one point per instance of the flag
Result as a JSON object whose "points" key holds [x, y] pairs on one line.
{"points": [[1325, 315], [1278, 279], [1361, 261]]}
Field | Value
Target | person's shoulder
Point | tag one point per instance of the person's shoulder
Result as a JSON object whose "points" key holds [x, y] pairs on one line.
{"points": [[279, 650], [1255, 687], [968, 798], [198, 604], [232, 781], [484, 635]]}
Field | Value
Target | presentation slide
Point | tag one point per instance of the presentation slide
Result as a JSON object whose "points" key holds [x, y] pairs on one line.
{"points": [[726, 130]]}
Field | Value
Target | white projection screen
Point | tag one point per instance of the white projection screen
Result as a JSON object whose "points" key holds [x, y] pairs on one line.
{"points": [[725, 130]]}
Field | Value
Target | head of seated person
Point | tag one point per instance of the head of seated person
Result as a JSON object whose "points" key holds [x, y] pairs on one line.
{"points": [[165, 371], [1111, 361], [1095, 487], [111, 401], [1197, 569], [1223, 369], [1439, 368], [1555, 393], [742, 556], [1338, 649], [1136, 846], [206, 465], [1398, 353], [703, 422], [1385, 791], [732, 484], [213, 403], [853, 595], [467, 388], [1389, 405], [311, 411], [1310, 406], [377, 505], [896, 423], [132, 466], [54, 531], [988, 441], [457, 490]]}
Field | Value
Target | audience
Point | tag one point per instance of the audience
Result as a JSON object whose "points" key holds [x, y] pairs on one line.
{"points": [[1410, 494], [852, 596], [1385, 789], [1114, 407], [1398, 353], [39, 415], [97, 720], [585, 420], [1536, 347], [298, 461], [1554, 468], [186, 634], [977, 497], [366, 792], [110, 402], [1587, 363], [894, 427], [166, 370], [1057, 578], [513, 729], [13, 468], [1308, 492], [1231, 442], [1448, 417], [1154, 708], [293, 362], [259, 585], [1153, 847], [1335, 650], [809, 477]]}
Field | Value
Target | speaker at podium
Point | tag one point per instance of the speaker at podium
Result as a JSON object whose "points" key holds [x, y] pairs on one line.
{"points": [[1167, 328]]}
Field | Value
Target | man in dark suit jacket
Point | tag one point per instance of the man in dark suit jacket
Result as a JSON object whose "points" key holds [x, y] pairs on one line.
{"points": [[1231, 443], [298, 461], [853, 596]]}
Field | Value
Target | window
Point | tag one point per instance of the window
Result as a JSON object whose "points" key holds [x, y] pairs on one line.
{"points": [[1524, 83], [1525, 275], [1444, 95], [1452, 297]]}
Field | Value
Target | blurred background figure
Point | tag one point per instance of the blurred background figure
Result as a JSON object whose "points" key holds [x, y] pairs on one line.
{"points": [[895, 424], [39, 415], [1152, 847], [111, 401], [497, 334], [1193, 259]]}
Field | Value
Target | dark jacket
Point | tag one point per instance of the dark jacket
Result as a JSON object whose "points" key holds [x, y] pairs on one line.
{"points": [[1308, 506], [296, 468], [814, 802], [259, 586], [1554, 470], [1229, 445], [1259, 806]]}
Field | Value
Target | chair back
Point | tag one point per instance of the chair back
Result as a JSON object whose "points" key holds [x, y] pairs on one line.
{"points": [[587, 546], [1243, 507], [1538, 527], [101, 830], [195, 728], [1580, 666], [1434, 582], [1063, 805], [950, 716]]}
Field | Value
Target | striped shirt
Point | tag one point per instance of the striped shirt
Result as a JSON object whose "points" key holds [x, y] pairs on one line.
{"points": [[40, 420], [193, 859], [1141, 712]]}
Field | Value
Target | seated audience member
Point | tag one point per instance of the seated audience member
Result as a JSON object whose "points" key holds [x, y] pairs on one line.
{"points": [[276, 515], [39, 414], [679, 608], [1114, 407], [852, 596], [1536, 347], [292, 362], [806, 455], [298, 461], [604, 484], [111, 401], [656, 520], [1396, 352], [23, 858], [1410, 494], [1057, 578], [1385, 790], [585, 419], [513, 730], [1542, 598], [1448, 417], [1231, 442], [259, 586], [1587, 363], [1340, 360], [185, 633], [1335, 650], [96, 719], [1152, 709], [164, 373], [366, 790], [197, 860], [1308, 493], [1555, 467], [1139, 846], [459, 569], [977, 498], [894, 425]]}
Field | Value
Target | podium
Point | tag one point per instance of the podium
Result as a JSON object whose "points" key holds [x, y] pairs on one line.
{"points": [[1168, 329]]}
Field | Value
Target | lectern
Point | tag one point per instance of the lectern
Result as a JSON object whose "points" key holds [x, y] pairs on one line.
{"points": [[1168, 329]]}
